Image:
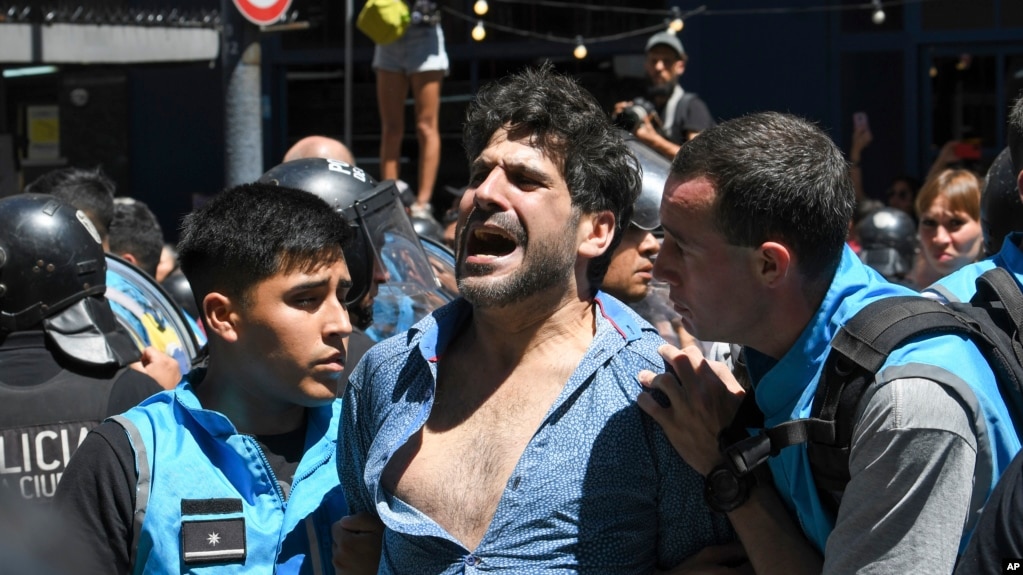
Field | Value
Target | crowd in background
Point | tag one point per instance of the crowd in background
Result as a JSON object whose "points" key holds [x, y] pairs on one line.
{"points": [[528, 416]]}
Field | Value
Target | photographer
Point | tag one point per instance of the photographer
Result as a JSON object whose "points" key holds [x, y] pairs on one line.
{"points": [[668, 116]]}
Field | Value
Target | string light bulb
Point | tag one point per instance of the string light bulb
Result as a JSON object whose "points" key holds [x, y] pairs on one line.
{"points": [[480, 7], [676, 23], [580, 48], [878, 15], [479, 32]]}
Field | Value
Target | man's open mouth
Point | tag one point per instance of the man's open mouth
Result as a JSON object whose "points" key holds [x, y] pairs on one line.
{"points": [[490, 242]]}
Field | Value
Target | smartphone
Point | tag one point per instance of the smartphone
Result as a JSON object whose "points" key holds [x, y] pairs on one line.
{"points": [[968, 150], [860, 121]]}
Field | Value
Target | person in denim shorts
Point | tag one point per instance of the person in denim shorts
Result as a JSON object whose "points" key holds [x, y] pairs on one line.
{"points": [[418, 60]]}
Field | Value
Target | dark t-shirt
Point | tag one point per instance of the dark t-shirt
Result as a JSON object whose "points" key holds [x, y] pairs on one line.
{"points": [[999, 533], [691, 115]]}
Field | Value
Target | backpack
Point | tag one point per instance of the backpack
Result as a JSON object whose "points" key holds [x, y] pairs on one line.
{"points": [[992, 319]]}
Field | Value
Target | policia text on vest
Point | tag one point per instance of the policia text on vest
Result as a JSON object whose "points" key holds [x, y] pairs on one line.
{"points": [[33, 459]]}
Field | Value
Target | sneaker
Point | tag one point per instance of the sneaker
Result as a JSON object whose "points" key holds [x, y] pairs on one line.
{"points": [[421, 210]]}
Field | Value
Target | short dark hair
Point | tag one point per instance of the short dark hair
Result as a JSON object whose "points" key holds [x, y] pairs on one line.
{"points": [[777, 178], [88, 190], [136, 231], [568, 125], [1015, 136], [251, 232]]}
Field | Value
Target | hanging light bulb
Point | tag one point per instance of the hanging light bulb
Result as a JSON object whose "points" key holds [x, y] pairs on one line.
{"points": [[580, 48], [878, 16], [480, 7], [676, 20], [479, 32]]}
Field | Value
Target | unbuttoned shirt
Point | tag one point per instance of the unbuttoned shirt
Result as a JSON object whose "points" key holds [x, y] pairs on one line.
{"points": [[598, 489]]}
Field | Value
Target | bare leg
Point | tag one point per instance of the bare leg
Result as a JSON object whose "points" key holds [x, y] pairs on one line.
{"points": [[392, 88], [426, 92]]}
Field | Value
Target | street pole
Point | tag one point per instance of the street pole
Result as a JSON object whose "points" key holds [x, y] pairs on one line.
{"points": [[243, 133], [349, 18]]}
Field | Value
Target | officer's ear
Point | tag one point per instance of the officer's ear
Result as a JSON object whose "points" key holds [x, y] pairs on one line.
{"points": [[773, 263], [130, 258], [221, 314]]}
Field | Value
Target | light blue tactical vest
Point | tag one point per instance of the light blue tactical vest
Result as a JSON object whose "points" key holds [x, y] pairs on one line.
{"points": [[207, 500], [783, 394]]}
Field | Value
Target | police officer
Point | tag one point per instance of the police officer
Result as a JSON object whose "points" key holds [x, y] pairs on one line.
{"points": [[92, 192], [385, 249], [64, 359]]}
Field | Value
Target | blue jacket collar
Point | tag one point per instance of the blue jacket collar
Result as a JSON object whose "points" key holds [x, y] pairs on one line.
{"points": [[780, 384]]}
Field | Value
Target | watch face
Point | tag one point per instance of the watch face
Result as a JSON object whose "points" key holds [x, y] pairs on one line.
{"points": [[724, 491], [724, 485]]}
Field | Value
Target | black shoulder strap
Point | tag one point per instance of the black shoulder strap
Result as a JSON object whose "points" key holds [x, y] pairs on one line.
{"points": [[997, 311], [992, 320], [997, 288], [858, 350]]}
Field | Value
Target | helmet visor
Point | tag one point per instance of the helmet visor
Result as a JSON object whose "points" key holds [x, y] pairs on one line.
{"points": [[408, 288], [148, 312]]}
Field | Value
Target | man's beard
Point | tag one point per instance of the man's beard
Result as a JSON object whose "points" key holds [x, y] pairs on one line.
{"points": [[361, 313], [660, 91], [545, 264]]}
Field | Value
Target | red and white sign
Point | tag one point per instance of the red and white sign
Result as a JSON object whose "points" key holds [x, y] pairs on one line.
{"points": [[262, 12]]}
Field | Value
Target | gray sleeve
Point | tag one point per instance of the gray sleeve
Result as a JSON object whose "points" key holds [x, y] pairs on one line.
{"points": [[912, 462]]}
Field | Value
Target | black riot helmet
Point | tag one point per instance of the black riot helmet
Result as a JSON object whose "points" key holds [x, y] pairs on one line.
{"points": [[888, 242], [428, 228], [52, 277], [1001, 211], [655, 167], [372, 209]]}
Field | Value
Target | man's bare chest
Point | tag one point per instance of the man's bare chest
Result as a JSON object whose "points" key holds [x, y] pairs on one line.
{"points": [[455, 469]]}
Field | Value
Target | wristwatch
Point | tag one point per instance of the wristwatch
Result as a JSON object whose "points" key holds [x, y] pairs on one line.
{"points": [[724, 490]]}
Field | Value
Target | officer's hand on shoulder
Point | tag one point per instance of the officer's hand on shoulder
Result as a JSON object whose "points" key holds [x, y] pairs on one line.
{"points": [[159, 366]]}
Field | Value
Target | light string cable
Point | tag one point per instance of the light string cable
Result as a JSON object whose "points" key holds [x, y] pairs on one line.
{"points": [[716, 12], [670, 14], [575, 40]]}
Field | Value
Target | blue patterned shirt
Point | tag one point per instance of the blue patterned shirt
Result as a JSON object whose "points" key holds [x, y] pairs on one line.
{"points": [[598, 488]]}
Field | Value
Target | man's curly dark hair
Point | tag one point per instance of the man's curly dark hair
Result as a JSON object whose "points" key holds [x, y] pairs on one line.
{"points": [[564, 121]]}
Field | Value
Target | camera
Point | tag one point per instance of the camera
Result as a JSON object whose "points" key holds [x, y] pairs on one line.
{"points": [[425, 13], [633, 114]]}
